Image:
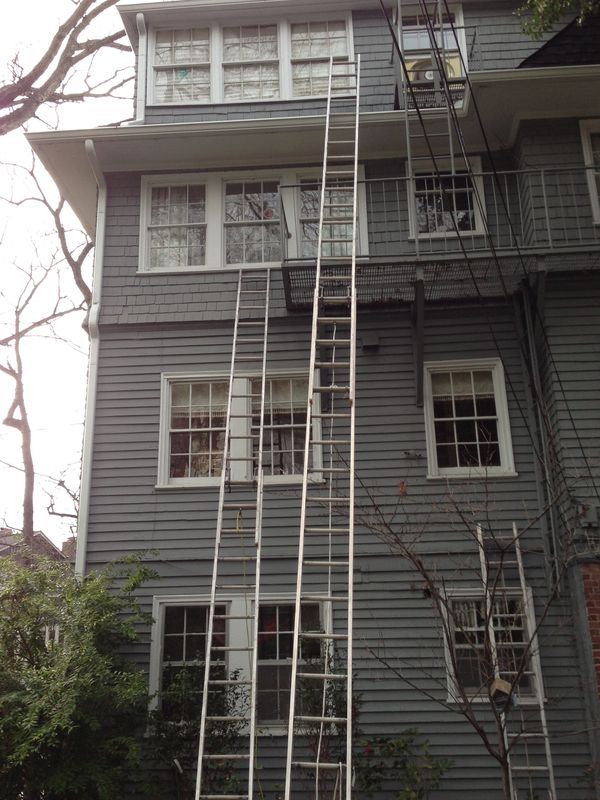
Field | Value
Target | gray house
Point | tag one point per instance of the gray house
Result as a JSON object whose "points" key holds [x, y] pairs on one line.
{"points": [[374, 387]]}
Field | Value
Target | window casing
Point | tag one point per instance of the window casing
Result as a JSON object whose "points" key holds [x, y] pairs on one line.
{"points": [[417, 47], [590, 138], [246, 62], [192, 436], [178, 652], [443, 203], [477, 644], [466, 419]]}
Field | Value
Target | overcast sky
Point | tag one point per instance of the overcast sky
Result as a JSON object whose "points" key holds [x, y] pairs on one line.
{"points": [[55, 369]]}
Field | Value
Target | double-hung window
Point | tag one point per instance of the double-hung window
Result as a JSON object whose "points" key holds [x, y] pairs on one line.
{"points": [[182, 66], [444, 203], [252, 226], [590, 137], [177, 226], [275, 645], [247, 62], [466, 419], [483, 642], [182, 657], [250, 63], [193, 418], [421, 61]]}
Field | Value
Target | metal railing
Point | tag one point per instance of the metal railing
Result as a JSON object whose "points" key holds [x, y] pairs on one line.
{"points": [[509, 211]]}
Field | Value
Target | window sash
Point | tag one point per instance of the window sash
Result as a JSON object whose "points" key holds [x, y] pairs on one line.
{"points": [[440, 199]]}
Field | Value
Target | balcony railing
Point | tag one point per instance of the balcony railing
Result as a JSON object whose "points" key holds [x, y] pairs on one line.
{"points": [[507, 212]]}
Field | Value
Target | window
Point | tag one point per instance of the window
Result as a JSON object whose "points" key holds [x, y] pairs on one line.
{"points": [[466, 419], [475, 652], [177, 229], [446, 203], [275, 643], [193, 418], [178, 650], [590, 136], [250, 63], [422, 65], [252, 228], [246, 62], [182, 66], [183, 654], [313, 44]]}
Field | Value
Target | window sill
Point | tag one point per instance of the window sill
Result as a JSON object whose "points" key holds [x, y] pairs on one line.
{"points": [[201, 270], [477, 474], [424, 237], [526, 702], [214, 483], [200, 104]]}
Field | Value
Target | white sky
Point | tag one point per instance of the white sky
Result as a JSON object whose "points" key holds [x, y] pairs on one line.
{"points": [[55, 369]]}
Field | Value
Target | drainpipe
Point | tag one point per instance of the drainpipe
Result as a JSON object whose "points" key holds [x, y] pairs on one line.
{"points": [[94, 334], [142, 68]]}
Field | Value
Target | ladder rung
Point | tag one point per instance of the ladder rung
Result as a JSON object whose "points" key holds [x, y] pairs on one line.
{"points": [[248, 358], [330, 720], [326, 563], [232, 647], [237, 558], [330, 676], [321, 598], [323, 530], [333, 343], [230, 682], [239, 531], [526, 735], [236, 586], [326, 636], [334, 320], [233, 616], [317, 765], [226, 756], [528, 769], [333, 500], [337, 415], [321, 442], [332, 469], [332, 387], [251, 322], [340, 364], [239, 506], [232, 718], [222, 797]]}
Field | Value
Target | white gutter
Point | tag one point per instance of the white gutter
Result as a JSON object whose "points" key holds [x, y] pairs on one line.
{"points": [[94, 333]]}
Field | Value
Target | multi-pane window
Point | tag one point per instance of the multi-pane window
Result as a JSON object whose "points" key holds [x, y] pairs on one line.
{"points": [[177, 227], [197, 429], [337, 235], [417, 47], [445, 203], [313, 44], [467, 419], [182, 66], [595, 148], [284, 424], [275, 644], [252, 226], [183, 655], [480, 645], [250, 63]]}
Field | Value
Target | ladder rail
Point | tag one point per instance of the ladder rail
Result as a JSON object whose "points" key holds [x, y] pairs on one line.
{"points": [[328, 188], [259, 274]]}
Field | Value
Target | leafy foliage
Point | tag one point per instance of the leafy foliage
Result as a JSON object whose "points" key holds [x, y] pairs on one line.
{"points": [[71, 709], [400, 764], [539, 16], [174, 733]]}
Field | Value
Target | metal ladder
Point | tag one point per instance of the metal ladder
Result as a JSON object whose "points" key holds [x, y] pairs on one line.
{"points": [[427, 139], [325, 560], [236, 565], [525, 728]]}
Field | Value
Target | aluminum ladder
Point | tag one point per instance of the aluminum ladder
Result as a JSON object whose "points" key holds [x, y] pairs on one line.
{"points": [[509, 613], [236, 564], [325, 560]]}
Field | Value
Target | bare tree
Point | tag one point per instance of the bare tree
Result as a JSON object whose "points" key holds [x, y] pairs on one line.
{"points": [[63, 72]]}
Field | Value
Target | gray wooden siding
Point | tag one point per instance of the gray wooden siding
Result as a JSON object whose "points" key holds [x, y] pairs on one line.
{"points": [[393, 618]]}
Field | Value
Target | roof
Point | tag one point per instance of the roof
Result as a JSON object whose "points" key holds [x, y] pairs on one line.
{"points": [[575, 44], [11, 541]]}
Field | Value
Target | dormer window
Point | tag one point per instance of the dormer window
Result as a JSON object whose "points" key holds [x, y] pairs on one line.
{"points": [[246, 63]]}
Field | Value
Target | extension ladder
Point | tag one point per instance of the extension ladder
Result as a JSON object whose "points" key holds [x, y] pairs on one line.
{"points": [[236, 565], [321, 693], [510, 618]]}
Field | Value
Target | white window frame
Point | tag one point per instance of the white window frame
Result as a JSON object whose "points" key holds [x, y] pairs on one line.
{"points": [[292, 206], [428, 169], [216, 52], [238, 605], [214, 183], [587, 127], [507, 467], [453, 694], [459, 25], [241, 470]]}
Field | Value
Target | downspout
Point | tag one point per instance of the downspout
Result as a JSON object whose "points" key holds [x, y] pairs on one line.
{"points": [[94, 334], [142, 68]]}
